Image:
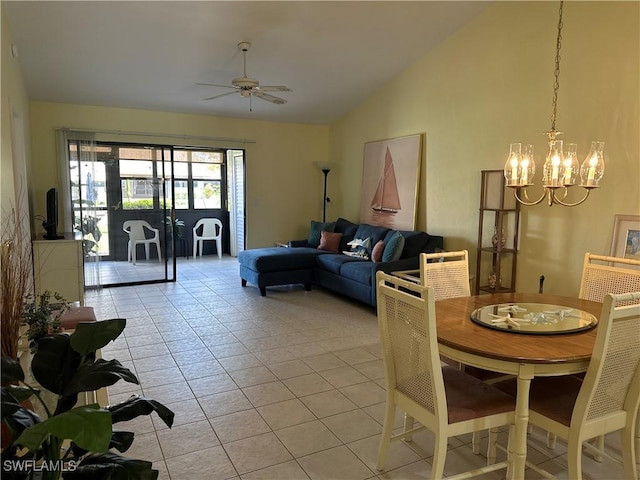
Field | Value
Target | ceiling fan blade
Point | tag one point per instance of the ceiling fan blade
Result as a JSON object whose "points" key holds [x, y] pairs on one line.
{"points": [[269, 98], [215, 85], [218, 96], [274, 88]]}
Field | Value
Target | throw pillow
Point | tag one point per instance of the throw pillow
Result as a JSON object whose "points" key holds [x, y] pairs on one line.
{"points": [[376, 253], [394, 247], [316, 228], [348, 231], [329, 241]]}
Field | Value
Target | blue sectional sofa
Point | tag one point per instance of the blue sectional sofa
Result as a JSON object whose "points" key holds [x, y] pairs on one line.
{"points": [[310, 261]]}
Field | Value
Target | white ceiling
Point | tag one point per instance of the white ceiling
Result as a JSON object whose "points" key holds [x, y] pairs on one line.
{"points": [[150, 55]]}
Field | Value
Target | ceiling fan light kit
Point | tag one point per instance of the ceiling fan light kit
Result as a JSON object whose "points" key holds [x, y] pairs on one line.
{"points": [[248, 87]]}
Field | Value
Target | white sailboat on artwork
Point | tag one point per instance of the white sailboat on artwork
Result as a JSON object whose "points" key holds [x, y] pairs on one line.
{"points": [[386, 199]]}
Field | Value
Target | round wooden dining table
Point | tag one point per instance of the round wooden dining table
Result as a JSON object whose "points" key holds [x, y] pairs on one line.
{"points": [[512, 352]]}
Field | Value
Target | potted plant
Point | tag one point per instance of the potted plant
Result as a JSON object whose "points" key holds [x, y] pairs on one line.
{"points": [[91, 233], [42, 317], [177, 226], [72, 442]]}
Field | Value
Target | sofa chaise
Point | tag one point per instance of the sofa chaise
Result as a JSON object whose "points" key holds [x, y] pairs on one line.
{"points": [[340, 256]]}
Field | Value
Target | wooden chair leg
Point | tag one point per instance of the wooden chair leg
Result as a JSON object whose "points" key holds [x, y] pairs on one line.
{"points": [[598, 442], [491, 449], [439, 454], [408, 425], [629, 457], [475, 442], [637, 439], [574, 459], [512, 429], [385, 438]]}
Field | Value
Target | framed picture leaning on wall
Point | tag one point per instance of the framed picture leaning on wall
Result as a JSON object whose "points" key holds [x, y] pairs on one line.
{"points": [[626, 237], [390, 182]]}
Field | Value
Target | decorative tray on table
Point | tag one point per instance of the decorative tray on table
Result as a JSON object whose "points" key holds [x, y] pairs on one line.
{"points": [[533, 318]]}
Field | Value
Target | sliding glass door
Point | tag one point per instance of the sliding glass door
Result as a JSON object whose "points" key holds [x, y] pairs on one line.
{"points": [[123, 208], [161, 192]]}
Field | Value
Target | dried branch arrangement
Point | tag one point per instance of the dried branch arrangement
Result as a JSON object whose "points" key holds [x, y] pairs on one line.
{"points": [[17, 272]]}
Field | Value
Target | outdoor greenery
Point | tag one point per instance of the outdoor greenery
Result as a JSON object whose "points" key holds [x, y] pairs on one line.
{"points": [[139, 204], [91, 233]]}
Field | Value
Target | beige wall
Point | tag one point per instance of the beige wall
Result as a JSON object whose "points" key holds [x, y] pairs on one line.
{"points": [[284, 187], [486, 86], [14, 123], [491, 84]]}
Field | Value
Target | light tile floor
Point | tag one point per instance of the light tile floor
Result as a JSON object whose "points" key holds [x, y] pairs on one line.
{"points": [[287, 386]]}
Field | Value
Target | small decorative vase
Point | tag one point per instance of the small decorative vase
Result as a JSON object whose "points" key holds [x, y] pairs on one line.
{"points": [[494, 239], [492, 281]]}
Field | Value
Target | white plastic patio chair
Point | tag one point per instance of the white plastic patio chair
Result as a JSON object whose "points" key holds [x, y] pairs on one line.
{"points": [[211, 230], [138, 236]]}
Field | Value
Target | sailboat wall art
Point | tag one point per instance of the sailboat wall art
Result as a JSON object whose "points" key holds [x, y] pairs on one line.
{"points": [[390, 182]]}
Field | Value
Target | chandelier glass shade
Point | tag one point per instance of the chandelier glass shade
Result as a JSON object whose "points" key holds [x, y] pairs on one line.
{"points": [[561, 169]]}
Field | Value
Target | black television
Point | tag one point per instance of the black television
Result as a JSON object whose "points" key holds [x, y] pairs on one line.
{"points": [[51, 223]]}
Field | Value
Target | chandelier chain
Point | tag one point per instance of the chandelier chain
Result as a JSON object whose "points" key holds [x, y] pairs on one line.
{"points": [[556, 73]]}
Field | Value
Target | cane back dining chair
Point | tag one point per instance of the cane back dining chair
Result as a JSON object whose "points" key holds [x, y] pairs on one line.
{"points": [[207, 229], [447, 273], [137, 236], [443, 399], [602, 275], [607, 399]]}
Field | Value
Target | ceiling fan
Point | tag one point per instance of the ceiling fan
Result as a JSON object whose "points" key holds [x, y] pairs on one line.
{"points": [[248, 87]]}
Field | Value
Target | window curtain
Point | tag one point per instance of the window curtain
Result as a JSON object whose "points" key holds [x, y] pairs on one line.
{"points": [[235, 193], [76, 198]]}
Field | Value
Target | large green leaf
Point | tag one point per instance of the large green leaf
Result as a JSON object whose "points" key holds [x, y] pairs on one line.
{"points": [[110, 466], [88, 426], [121, 440], [89, 337], [136, 406], [11, 371], [55, 362], [13, 396], [66, 403], [101, 373], [19, 421]]}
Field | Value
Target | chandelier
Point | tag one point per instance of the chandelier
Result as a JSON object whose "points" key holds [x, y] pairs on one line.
{"points": [[561, 169]]}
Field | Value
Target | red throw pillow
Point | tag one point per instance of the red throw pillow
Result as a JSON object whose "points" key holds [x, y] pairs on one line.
{"points": [[378, 250], [329, 241]]}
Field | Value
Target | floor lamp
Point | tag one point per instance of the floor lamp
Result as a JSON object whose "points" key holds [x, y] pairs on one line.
{"points": [[325, 199], [325, 168]]}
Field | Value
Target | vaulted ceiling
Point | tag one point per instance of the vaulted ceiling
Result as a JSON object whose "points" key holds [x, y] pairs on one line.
{"points": [[150, 55]]}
